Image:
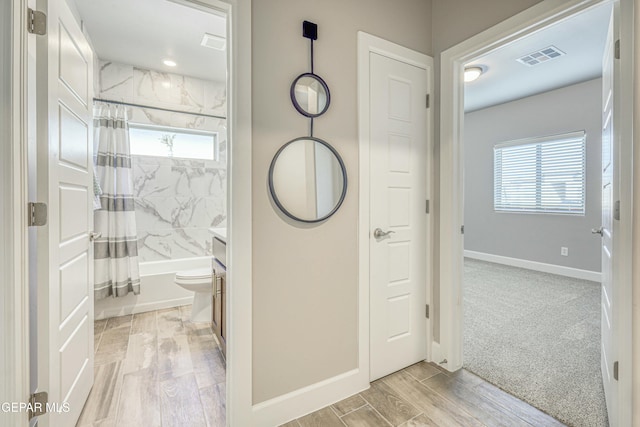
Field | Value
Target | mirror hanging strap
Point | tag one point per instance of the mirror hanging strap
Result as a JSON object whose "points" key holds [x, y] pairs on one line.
{"points": [[311, 118], [311, 40]]}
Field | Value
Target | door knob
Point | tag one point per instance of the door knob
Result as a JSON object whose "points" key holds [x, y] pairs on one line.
{"points": [[597, 231], [94, 235], [378, 233]]}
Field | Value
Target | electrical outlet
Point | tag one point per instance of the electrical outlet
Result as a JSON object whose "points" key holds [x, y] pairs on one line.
{"points": [[564, 251]]}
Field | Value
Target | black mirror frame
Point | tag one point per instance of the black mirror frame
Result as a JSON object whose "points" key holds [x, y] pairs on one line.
{"points": [[301, 110], [344, 180]]}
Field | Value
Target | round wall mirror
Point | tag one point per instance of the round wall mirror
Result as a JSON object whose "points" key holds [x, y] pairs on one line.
{"points": [[310, 95], [307, 179]]}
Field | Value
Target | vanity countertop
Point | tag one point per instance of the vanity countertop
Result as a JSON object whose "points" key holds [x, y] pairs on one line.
{"points": [[220, 233]]}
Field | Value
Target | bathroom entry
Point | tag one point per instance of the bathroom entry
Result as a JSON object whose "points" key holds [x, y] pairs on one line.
{"points": [[168, 85]]}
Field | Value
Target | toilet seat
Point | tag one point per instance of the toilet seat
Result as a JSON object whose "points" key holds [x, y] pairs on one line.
{"points": [[197, 275], [200, 282]]}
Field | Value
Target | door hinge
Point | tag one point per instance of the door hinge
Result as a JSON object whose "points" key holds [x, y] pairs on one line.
{"points": [[427, 206], [38, 404], [615, 371], [36, 22], [428, 101], [462, 229], [427, 311], [616, 210], [37, 213], [617, 49]]}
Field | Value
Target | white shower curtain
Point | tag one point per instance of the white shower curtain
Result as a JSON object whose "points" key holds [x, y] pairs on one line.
{"points": [[116, 251]]}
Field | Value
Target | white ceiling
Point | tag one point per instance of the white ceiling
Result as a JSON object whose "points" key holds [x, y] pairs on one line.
{"points": [[581, 38], [144, 32]]}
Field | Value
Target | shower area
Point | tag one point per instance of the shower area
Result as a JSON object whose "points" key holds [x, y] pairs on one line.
{"points": [[176, 128]]}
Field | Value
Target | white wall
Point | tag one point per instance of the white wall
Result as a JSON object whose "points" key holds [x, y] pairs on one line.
{"points": [[533, 237], [305, 278]]}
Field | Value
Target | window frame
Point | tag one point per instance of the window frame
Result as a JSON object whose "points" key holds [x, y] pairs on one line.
{"points": [[500, 207], [178, 130]]}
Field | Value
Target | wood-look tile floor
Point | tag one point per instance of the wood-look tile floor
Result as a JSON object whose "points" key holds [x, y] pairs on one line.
{"points": [[156, 369], [426, 395]]}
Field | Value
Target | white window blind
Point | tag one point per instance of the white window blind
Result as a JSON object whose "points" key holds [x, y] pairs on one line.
{"points": [[540, 175]]}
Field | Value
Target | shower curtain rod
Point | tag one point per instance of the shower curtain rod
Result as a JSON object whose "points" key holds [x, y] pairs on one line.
{"points": [[157, 108]]}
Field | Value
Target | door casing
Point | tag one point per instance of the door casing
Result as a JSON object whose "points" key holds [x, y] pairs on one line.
{"points": [[368, 44], [546, 13], [14, 326]]}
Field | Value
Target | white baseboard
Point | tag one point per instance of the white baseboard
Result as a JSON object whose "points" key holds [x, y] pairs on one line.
{"points": [[576, 273], [298, 403], [436, 352], [141, 308], [437, 356]]}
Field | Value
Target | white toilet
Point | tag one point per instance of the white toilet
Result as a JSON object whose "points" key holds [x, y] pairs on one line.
{"points": [[199, 281]]}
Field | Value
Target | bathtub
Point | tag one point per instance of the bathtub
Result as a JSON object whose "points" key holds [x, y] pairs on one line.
{"points": [[157, 289]]}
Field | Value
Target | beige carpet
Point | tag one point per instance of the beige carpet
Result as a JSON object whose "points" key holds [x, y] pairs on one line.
{"points": [[537, 336]]}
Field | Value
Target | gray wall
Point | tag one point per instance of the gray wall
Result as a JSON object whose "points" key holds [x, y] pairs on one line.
{"points": [[454, 21], [457, 20], [533, 237], [305, 278]]}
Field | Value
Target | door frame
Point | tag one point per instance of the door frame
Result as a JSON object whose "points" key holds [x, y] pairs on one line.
{"points": [[543, 14], [368, 44], [15, 327], [239, 406], [240, 409], [13, 190]]}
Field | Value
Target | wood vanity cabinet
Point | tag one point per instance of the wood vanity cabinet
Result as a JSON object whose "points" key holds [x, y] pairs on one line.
{"points": [[219, 306]]}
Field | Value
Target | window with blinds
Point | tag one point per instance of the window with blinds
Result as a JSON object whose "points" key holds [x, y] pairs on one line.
{"points": [[540, 175]]}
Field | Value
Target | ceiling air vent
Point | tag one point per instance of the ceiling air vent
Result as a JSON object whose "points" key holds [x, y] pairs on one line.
{"points": [[540, 56], [213, 41]]}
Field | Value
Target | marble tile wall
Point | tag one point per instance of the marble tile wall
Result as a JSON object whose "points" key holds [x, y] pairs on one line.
{"points": [[177, 200], [122, 82]]}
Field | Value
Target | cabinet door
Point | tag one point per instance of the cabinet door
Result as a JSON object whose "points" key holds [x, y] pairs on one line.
{"points": [[217, 303], [223, 313]]}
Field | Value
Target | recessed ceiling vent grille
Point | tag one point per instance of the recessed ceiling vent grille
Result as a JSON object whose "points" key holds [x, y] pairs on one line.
{"points": [[213, 41], [540, 56]]}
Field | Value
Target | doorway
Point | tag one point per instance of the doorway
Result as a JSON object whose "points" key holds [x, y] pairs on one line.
{"points": [[508, 32], [165, 100], [395, 128], [532, 195]]}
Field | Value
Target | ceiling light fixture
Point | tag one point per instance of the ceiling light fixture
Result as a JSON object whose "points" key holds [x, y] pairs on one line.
{"points": [[472, 73], [169, 63], [213, 41]]}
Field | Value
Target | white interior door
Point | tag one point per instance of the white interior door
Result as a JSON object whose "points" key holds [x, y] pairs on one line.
{"points": [[609, 189], [398, 182], [65, 251]]}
